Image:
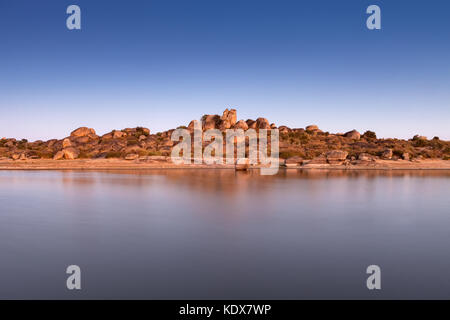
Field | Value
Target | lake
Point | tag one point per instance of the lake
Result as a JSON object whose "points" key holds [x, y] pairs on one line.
{"points": [[220, 234]]}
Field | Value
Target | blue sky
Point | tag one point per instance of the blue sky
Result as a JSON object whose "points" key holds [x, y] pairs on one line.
{"points": [[162, 63]]}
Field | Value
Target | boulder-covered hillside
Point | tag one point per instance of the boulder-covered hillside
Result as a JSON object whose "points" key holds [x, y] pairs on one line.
{"points": [[297, 143]]}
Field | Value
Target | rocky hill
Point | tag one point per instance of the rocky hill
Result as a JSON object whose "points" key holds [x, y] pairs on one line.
{"points": [[296, 144]]}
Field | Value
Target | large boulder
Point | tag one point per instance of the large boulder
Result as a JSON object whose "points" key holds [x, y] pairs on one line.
{"points": [[145, 131], [82, 132], [71, 153], [355, 135], [66, 143], [80, 140], [59, 155], [210, 121], [251, 123], [312, 128], [365, 157], [284, 129], [336, 156], [262, 123], [224, 125], [229, 115], [293, 161], [118, 134], [241, 124]]}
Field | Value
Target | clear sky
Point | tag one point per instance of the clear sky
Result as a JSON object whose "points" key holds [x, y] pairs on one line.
{"points": [[162, 63]]}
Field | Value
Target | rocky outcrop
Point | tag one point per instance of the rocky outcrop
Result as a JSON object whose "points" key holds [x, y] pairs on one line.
{"points": [[210, 121], [251, 123], [293, 161], [71, 153], [131, 156], [66, 143], [387, 154], [82, 132], [262, 123], [59, 155], [365, 157], [241, 124], [312, 128], [355, 135], [230, 116], [284, 129], [118, 134], [294, 142], [224, 125], [336, 156]]}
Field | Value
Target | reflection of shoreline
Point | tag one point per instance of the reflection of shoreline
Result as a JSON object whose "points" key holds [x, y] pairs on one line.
{"points": [[115, 164], [207, 181]]}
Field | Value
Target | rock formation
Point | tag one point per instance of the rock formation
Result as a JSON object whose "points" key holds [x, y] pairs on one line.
{"points": [[297, 145]]}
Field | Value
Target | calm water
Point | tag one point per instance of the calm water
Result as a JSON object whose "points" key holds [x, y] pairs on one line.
{"points": [[217, 234]]}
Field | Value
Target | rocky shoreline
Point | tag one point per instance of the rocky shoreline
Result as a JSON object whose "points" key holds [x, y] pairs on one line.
{"points": [[308, 147], [118, 164]]}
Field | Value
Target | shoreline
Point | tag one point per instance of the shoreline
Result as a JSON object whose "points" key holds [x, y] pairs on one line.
{"points": [[119, 164]]}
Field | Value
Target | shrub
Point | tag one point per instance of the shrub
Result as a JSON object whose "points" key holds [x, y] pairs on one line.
{"points": [[113, 154], [44, 154], [132, 142], [291, 153], [420, 143], [398, 152], [84, 155], [154, 153], [370, 135]]}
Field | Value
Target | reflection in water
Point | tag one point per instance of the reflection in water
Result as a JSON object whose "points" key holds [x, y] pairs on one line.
{"points": [[211, 233]]}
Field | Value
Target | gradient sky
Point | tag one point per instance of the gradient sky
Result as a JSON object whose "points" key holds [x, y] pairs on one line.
{"points": [[162, 63]]}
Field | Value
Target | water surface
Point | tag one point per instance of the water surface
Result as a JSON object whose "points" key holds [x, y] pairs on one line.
{"points": [[213, 234]]}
